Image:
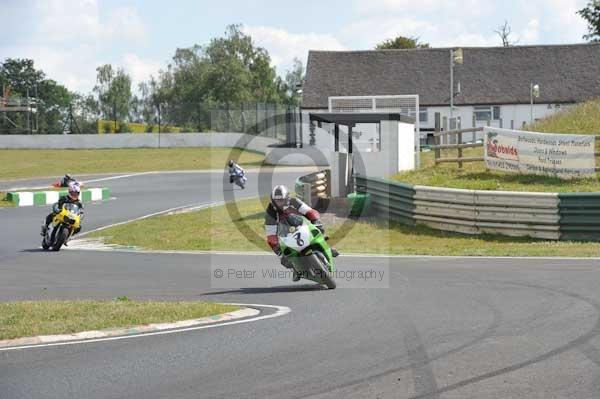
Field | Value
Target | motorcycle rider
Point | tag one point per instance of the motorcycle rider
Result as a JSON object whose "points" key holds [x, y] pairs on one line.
{"points": [[281, 205], [71, 198], [67, 180], [235, 170]]}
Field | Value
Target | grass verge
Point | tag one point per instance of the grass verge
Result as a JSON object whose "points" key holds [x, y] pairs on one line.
{"points": [[580, 119], [5, 202], [474, 176], [18, 164], [240, 228], [32, 318]]}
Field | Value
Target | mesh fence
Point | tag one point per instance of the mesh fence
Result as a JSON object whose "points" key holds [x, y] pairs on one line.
{"points": [[268, 119]]}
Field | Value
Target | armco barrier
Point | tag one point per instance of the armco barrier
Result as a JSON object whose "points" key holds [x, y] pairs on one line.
{"points": [[466, 211], [393, 199], [314, 188], [580, 216]]}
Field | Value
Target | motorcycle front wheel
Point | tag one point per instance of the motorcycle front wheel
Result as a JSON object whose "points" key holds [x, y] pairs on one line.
{"points": [[324, 271], [61, 237]]}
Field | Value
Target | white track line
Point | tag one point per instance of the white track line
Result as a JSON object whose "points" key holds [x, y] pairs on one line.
{"points": [[82, 181], [280, 311], [194, 206], [343, 255]]}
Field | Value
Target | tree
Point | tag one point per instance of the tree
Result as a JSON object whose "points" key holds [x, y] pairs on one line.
{"points": [[85, 112], [21, 78], [401, 42], [239, 71], [293, 81], [228, 72], [114, 92], [504, 31], [591, 13]]}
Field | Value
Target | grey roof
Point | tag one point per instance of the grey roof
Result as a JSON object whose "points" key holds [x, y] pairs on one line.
{"points": [[489, 75]]}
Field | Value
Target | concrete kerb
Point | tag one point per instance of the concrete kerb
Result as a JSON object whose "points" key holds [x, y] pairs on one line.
{"points": [[30, 198], [131, 331]]}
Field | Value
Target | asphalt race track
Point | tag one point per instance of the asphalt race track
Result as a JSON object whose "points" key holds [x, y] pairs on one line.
{"points": [[445, 327]]}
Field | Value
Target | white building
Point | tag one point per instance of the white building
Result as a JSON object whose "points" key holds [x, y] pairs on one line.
{"points": [[492, 83]]}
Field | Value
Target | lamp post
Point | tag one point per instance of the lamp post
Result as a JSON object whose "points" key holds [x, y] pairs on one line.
{"points": [[534, 91], [456, 57]]}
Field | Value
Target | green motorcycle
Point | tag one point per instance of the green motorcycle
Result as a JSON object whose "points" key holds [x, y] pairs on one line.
{"points": [[305, 246]]}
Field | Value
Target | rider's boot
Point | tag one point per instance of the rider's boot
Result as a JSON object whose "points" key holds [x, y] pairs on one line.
{"points": [[334, 252], [44, 230], [296, 277]]}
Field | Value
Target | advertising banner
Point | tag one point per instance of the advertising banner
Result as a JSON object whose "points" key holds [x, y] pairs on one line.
{"points": [[566, 156]]}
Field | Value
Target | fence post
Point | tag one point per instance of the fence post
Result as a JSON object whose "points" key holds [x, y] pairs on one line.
{"points": [[243, 119], [500, 123], [459, 142], [445, 129], [512, 124], [474, 124], [436, 137]]}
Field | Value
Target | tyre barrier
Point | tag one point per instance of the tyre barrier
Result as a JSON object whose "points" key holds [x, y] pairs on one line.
{"points": [[314, 188], [552, 216]]}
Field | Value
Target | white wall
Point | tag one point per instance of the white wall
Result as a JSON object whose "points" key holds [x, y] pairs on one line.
{"points": [[518, 113], [135, 140], [397, 152]]}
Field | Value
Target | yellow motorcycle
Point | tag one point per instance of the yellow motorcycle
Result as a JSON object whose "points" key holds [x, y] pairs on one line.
{"points": [[62, 227]]}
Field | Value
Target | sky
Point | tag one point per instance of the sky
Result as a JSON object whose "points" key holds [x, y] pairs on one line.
{"points": [[68, 39]]}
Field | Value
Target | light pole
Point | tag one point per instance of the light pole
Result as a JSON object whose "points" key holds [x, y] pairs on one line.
{"points": [[456, 57], [534, 91]]}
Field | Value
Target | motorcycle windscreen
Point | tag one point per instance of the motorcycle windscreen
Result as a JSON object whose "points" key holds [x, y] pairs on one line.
{"points": [[296, 238], [73, 208]]}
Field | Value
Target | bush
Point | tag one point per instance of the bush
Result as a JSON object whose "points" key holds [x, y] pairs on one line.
{"points": [[123, 127], [107, 127]]}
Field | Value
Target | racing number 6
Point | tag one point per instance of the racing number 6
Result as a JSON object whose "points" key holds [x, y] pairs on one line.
{"points": [[299, 240]]}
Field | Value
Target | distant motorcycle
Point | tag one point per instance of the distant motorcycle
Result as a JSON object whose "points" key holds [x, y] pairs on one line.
{"points": [[240, 180], [62, 227]]}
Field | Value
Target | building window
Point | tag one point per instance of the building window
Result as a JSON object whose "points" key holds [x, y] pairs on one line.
{"points": [[423, 115], [482, 113], [496, 113], [487, 112]]}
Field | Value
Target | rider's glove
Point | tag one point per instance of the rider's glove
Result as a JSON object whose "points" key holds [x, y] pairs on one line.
{"points": [[55, 208], [319, 225]]}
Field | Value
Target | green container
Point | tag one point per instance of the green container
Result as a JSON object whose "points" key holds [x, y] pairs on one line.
{"points": [[358, 203]]}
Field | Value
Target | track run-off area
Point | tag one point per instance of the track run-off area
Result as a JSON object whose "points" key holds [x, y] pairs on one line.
{"points": [[439, 328]]}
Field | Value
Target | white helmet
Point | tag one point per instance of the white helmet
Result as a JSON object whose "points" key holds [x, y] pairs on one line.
{"points": [[74, 190], [280, 197]]}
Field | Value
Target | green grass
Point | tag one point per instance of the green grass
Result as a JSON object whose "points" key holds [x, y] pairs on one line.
{"points": [[215, 229], [210, 229], [475, 176], [582, 119], [4, 202], [32, 318], [41, 163]]}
